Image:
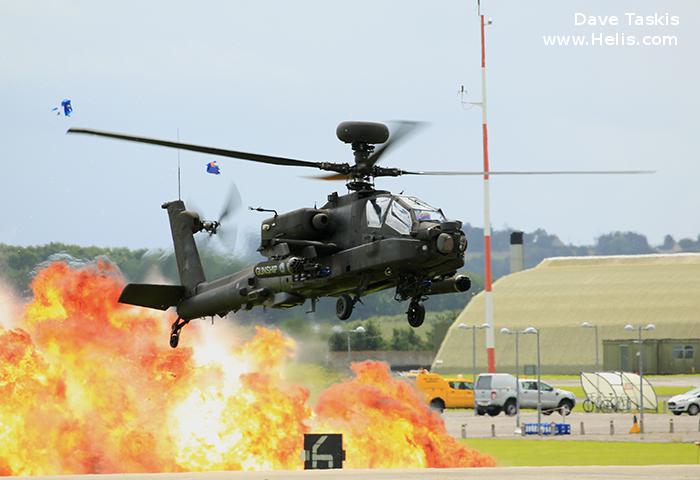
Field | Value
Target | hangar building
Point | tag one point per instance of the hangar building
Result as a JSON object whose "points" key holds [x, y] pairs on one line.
{"points": [[559, 294]]}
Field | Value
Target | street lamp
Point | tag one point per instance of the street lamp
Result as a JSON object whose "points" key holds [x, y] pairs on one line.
{"points": [[507, 331], [595, 329], [536, 331], [649, 327], [463, 326], [360, 329]]}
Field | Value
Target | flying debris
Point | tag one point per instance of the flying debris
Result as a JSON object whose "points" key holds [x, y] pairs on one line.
{"points": [[213, 168], [66, 108]]}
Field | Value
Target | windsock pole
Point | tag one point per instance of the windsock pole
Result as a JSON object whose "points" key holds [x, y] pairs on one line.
{"points": [[488, 298]]}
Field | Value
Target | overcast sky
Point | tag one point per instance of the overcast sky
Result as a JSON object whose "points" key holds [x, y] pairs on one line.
{"points": [[276, 77]]}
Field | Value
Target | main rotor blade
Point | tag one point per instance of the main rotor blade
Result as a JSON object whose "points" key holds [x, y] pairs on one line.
{"points": [[404, 128], [329, 177], [254, 157], [544, 172]]}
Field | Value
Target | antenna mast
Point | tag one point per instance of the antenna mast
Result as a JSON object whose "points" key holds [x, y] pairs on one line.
{"points": [[488, 296], [179, 192]]}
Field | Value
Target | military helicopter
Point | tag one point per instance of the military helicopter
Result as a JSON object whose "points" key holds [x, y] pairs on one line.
{"points": [[356, 244]]}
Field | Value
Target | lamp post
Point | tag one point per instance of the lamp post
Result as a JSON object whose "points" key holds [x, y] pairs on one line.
{"points": [[536, 331], [338, 329], [463, 326], [649, 327], [507, 331], [595, 329]]}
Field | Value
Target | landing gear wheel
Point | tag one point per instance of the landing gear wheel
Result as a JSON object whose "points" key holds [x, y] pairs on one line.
{"points": [[344, 306], [175, 331], [415, 314]]}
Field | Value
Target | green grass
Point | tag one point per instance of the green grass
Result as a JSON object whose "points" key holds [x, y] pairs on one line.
{"points": [[532, 452]]}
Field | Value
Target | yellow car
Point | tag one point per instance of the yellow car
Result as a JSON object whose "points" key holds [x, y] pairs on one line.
{"points": [[443, 392]]}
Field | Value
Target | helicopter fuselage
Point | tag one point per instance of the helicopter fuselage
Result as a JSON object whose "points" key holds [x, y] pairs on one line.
{"points": [[354, 245]]}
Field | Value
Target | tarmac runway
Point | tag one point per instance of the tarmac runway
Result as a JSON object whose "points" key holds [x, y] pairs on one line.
{"points": [[667, 472]]}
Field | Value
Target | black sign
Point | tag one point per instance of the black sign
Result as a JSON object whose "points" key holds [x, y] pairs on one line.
{"points": [[323, 451]]}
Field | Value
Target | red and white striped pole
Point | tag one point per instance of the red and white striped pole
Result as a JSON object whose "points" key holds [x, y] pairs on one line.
{"points": [[488, 298]]}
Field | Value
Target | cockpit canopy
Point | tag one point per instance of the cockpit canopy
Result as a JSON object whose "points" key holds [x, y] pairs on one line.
{"points": [[398, 212]]}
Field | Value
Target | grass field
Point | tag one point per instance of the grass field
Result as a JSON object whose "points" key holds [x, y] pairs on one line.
{"points": [[531, 452]]}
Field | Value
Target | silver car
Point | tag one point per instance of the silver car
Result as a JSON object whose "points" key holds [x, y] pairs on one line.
{"points": [[496, 392], [686, 402]]}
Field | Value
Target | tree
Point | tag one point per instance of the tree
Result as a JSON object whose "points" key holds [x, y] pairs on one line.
{"points": [[371, 339], [406, 339], [622, 243], [439, 328]]}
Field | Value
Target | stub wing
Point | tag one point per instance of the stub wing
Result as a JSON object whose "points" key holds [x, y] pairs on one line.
{"points": [[160, 297]]}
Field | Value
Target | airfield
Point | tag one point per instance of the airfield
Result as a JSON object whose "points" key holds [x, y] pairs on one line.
{"points": [[668, 472]]}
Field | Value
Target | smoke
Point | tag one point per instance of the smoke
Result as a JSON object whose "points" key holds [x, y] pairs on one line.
{"points": [[10, 306]]}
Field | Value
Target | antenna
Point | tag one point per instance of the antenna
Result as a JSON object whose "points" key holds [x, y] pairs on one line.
{"points": [[179, 192]]}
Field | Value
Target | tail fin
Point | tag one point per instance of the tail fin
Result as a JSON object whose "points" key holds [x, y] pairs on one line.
{"points": [[183, 227]]}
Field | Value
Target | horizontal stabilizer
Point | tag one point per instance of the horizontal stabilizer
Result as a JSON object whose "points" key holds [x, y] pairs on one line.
{"points": [[160, 297]]}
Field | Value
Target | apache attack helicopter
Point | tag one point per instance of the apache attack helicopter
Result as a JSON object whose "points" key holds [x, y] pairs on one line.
{"points": [[356, 244]]}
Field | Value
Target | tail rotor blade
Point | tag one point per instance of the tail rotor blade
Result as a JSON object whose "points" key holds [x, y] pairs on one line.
{"points": [[232, 204]]}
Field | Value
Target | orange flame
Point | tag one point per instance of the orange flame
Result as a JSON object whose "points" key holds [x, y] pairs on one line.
{"points": [[89, 385]]}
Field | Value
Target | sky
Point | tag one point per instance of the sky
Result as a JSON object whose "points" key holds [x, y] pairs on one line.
{"points": [[276, 77]]}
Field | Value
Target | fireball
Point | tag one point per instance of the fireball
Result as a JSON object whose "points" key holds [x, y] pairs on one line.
{"points": [[89, 385]]}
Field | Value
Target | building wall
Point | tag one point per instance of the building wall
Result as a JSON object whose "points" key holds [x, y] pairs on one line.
{"points": [[559, 294]]}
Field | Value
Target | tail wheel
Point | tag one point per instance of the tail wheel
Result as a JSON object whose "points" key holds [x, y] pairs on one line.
{"points": [[175, 331], [344, 306], [415, 314]]}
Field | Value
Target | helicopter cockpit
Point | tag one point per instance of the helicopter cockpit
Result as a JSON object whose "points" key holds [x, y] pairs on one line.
{"points": [[398, 212]]}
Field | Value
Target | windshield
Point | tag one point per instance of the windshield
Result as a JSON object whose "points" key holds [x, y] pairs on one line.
{"points": [[376, 211], [399, 218], [422, 211]]}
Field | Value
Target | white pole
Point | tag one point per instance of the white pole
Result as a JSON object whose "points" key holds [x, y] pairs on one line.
{"points": [[488, 298]]}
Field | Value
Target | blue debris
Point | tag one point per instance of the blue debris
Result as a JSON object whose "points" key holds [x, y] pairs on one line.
{"points": [[213, 168], [66, 108]]}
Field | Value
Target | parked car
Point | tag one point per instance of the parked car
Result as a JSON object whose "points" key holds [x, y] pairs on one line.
{"points": [[496, 392], [443, 392], [686, 402]]}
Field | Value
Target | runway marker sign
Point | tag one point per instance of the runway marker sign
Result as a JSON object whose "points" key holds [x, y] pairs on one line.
{"points": [[323, 451]]}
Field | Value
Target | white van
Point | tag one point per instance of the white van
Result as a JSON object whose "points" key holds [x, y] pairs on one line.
{"points": [[496, 392]]}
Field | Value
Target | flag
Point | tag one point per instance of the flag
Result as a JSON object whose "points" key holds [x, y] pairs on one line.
{"points": [[65, 107], [213, 168]]}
